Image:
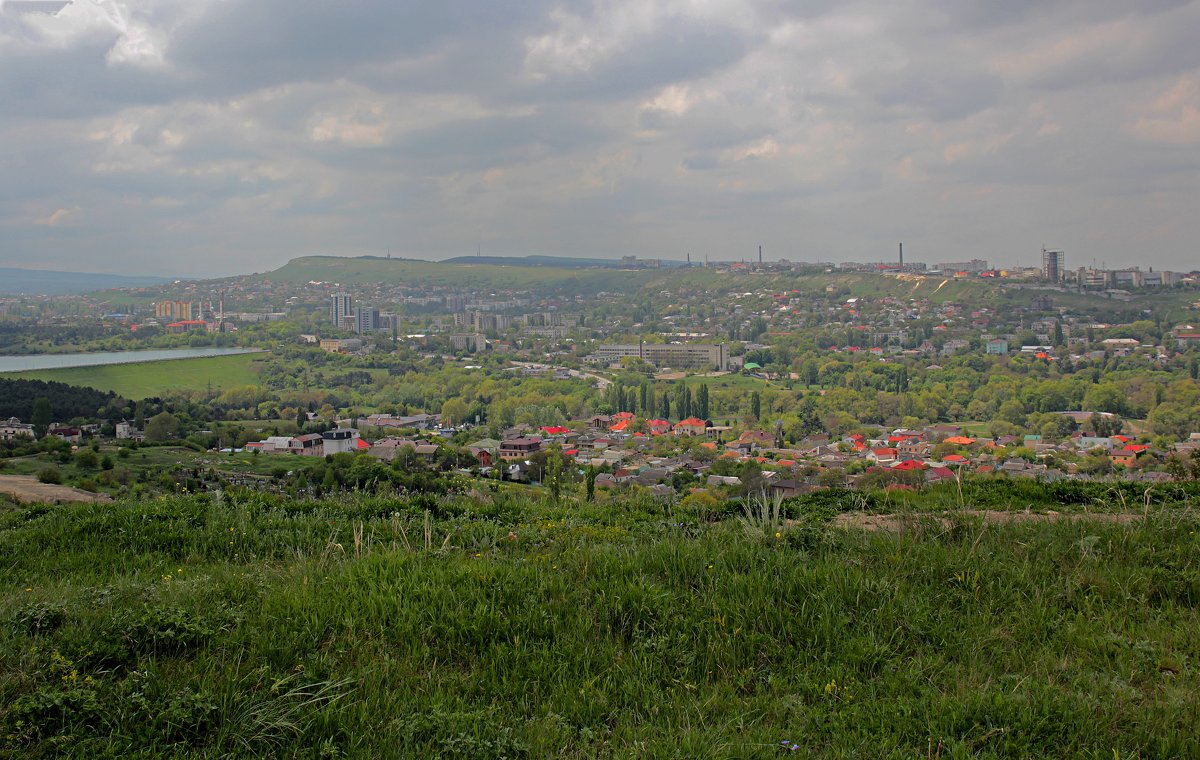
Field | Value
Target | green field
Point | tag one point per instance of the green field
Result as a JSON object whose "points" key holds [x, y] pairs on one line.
{"points": [[149, 379], [733, 380], [243, 625]]}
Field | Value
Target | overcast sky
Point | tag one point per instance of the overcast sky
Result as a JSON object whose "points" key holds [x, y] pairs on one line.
{"points": [[215, 137]]}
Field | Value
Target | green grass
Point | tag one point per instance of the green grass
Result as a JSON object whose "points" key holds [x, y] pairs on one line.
{"points": [[241, 625], [149, 379], [147, 464], [733, 380]]}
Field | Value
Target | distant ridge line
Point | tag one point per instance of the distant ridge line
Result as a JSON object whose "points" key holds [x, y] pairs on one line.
{"points": [[20, 281]]}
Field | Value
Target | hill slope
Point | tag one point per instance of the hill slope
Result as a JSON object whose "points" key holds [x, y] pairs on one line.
{"points": [[240, 625], [373, 269], [15, 280]]}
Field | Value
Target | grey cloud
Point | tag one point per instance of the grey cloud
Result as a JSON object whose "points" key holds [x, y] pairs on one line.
{"points": [[76, 82], [941, 92], [258, 43], [681, 52], [965, 123], [700, 163]]}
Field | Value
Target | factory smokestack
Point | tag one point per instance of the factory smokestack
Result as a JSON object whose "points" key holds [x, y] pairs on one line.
{"points": [[902, 255]]}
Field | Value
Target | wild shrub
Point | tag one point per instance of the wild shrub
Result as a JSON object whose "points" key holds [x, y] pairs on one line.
{"points": [[39, 618], [52, 711], [167, 630], [762, 516]]}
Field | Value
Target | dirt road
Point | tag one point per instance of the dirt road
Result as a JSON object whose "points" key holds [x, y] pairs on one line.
{"points": [[28, 489]]}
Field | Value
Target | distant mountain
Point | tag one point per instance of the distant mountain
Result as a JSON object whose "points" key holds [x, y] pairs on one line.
{"points": [[494, 274], [558, 262], [14, 280]]}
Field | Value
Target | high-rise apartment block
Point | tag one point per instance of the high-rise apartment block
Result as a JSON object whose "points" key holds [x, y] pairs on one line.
{"points": [[367, 319], [173, 310], [1053, 265], [341, 311]]}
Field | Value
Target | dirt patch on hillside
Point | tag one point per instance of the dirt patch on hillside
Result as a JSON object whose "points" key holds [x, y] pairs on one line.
{"points": [[27, 489], [898, 522]]}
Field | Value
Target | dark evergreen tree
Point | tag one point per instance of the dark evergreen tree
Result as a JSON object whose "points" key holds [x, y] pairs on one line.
{"points": [[702, 402], [42, 416]]}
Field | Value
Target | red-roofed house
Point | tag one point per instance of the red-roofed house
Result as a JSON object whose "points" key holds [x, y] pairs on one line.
{"points": [[1122, 458], [883, 455], [691, 426], [939, 473], [658, 427], [757, 438], [910, 464]]}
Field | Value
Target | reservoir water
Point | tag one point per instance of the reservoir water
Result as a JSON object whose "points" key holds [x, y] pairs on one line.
{"points": [[57, 361]]}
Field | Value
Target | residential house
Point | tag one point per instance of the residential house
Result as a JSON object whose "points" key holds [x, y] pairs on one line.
{"points": [[275, 444], [341, 440], [387, 449], [912, 448], [519, 448], [959, 440], [883, 455], [309, 444], [757, 439], [66, 433], [485, 451], [519, 471], [124, 430], [788, 488], [692, 426], [941, 431], [426, 451], [658, 427], [14, 428], [652, 475]]}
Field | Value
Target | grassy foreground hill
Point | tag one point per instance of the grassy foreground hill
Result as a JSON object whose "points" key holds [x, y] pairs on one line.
{"points": [[218, 625]]}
